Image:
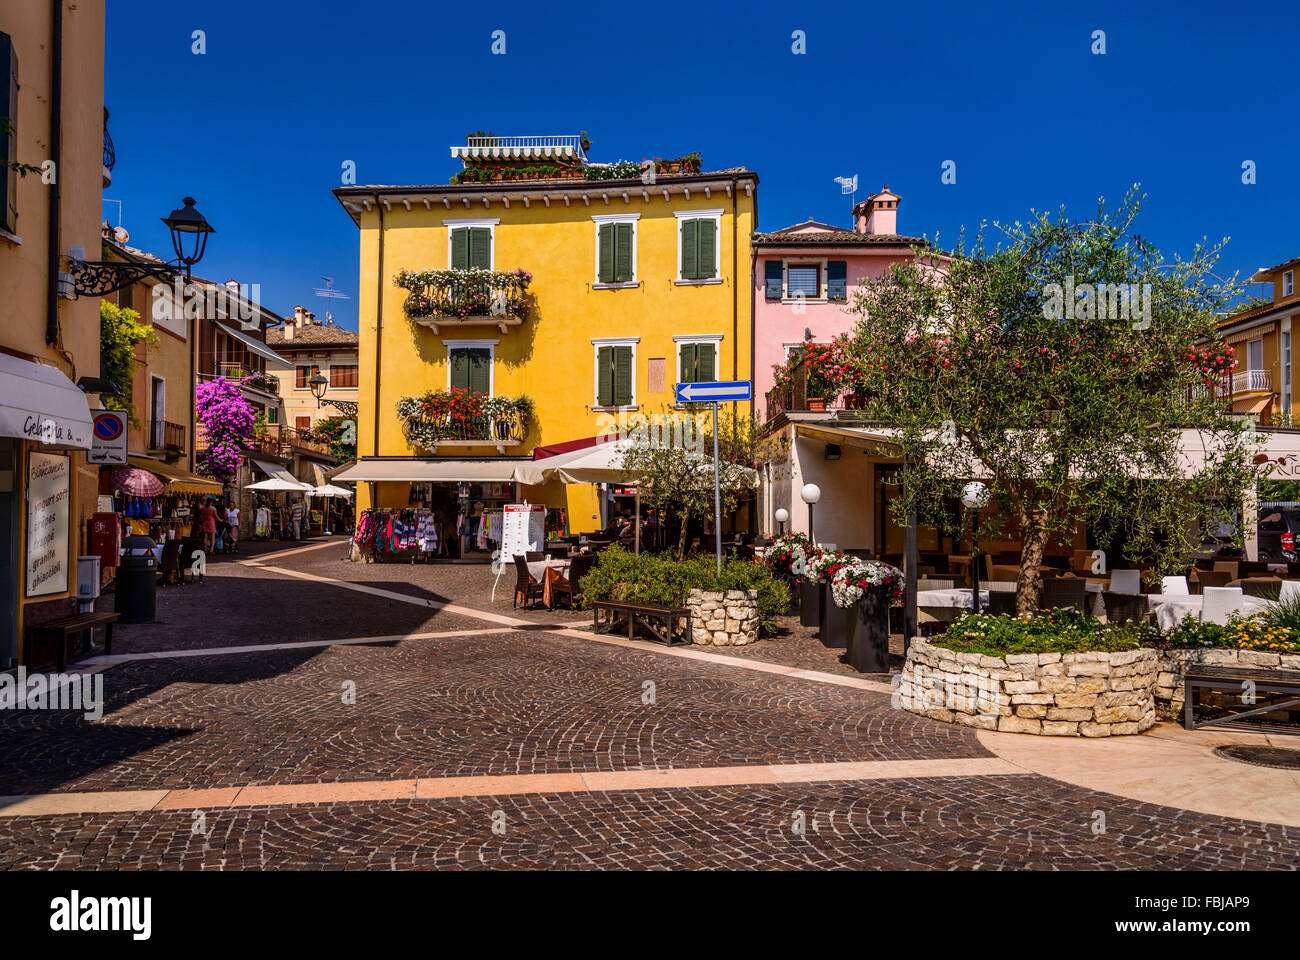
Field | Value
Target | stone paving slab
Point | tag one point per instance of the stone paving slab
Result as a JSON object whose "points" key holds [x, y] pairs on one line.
{"points": [[974, 823]]}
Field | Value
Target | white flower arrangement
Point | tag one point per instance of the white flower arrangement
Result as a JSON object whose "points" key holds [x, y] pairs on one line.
{"points": [[852, 580]]}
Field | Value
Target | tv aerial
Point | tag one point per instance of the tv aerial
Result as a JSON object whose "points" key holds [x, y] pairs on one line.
{"points": [[330, 293]]}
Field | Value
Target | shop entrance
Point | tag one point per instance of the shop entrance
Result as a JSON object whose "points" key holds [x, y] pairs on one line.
{"points": [[9, 525]]}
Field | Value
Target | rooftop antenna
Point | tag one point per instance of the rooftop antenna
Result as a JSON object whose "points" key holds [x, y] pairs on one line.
{"points": [[849, 185], [329, 292]]}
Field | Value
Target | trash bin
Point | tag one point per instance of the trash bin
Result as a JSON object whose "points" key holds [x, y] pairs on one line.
{"points": [[137, 581]]}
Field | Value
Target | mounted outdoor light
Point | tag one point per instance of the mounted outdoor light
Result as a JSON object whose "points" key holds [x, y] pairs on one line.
{"points": [[973, 497], [190, 232], [832, 451], [318, 385], [810, 494], [782, 515]]}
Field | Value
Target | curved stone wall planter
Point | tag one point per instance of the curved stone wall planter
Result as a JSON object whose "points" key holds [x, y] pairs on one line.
{"points": [[1093, 694], [721, 619]]}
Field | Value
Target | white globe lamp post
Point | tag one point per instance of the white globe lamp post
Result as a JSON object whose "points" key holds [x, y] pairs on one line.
{"points": [[810, 494], [782, 515], [973, 497]]}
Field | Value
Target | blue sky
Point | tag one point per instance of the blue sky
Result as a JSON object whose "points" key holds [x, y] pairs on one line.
{"points": [[258, 127]]}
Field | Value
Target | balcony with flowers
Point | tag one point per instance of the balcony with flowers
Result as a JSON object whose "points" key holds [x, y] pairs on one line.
{"points": [[464, 418], [472, 297], [815, 378]]}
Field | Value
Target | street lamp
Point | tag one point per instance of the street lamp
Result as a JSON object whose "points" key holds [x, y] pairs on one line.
{"points": [[318, 383], [189, 231], [973, 496], [810, 494], [782, 515]]}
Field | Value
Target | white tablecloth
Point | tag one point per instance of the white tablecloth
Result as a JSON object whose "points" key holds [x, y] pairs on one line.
{"points": [[1172, 608], [537, 568], [949, 598]]}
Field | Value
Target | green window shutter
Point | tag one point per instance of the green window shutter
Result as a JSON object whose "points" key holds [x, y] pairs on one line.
{"points": [[772, 280], [459, 248], [705, 367], [622, 376], [606, 244], [8, 144], [605, 376], [688, 362], [690, 251], [480, 369], [622, 252], [837, 280], [459, 360], [480, 248], [708, 242]]}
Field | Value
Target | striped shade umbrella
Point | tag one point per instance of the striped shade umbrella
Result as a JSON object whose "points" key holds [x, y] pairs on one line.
{"points": [[136, 482]]}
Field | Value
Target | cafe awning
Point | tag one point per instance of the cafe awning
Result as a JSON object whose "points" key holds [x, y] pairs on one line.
{"points": [[381, 470], [177, 478], [41, 404], [274, 471]]}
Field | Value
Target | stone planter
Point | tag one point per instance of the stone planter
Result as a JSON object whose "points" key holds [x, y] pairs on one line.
{"points": [[1169, 687], [810, 603], [869, 643], [837, 622], [1091, 694], [720, 619]]}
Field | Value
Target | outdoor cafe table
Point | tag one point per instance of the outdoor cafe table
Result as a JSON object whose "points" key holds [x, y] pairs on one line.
{"points": [[548, 572], [1172, 608]]}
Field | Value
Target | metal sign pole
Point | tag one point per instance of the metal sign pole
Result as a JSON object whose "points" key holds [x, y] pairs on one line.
{"points": [[717, 492]]}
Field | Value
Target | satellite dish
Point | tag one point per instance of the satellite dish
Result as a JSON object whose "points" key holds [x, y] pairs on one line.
{"points": [[120, 234]]}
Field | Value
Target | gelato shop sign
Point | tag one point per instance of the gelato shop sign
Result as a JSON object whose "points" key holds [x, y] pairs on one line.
{"points": [[48, 476]]}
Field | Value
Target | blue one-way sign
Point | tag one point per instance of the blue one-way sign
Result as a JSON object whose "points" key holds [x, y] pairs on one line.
{"points": [[715, 392]]}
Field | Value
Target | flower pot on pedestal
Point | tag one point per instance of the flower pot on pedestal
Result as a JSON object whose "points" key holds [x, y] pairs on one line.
{"points": [[869, 645], [810, 603], [837, 622]]}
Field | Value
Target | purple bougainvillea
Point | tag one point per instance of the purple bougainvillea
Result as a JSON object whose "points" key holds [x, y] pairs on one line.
{"points": [[227, 419]]}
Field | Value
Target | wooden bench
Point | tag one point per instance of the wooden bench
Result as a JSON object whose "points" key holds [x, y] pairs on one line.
{"points": [[1283, 682], [78, 624], [660, 621]]}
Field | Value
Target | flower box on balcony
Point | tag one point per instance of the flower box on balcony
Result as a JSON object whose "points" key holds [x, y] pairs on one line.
{"points": [[465, 297], [466, 419]]}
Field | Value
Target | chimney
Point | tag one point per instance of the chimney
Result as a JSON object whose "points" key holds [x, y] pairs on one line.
{"points": [[300, 315], [878, 214], [288, 331]]}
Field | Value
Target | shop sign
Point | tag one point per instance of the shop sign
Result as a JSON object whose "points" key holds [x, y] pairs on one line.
{"points": [[48, 478], [108, 438]]}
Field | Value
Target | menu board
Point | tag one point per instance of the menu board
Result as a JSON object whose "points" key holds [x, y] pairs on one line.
{"points": [[48, 479]]}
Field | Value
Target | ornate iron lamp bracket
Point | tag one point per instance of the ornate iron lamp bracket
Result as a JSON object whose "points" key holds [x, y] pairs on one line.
{"points": [[97, 278]]}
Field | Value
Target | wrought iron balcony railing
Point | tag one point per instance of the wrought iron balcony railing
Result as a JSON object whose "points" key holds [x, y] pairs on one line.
{"points": [[110, 155], [452, 297], [164, 435], [482, 430]]}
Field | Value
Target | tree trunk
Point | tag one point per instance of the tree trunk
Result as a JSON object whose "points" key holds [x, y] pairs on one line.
{"points": [[1033, 546], [681, 537]]}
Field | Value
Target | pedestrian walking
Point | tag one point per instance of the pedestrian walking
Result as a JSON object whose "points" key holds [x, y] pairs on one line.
{"points": [[232, 518], [208, 518], [296, 514]]}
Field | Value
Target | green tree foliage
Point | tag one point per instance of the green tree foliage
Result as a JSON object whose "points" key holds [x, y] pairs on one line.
{"points": [[1074, 415], [120, 330]]}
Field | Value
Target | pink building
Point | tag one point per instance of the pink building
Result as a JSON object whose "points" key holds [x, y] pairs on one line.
{"points": [[804, 276]]}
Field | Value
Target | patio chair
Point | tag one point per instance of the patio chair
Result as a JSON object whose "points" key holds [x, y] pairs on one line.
{"points": [[525, 586], [1174, 586], [1124, 607], [533, 556], [1214, 578], [1219, 602], [1267, 588], [1005, 571], [1062, 593], [169, 566], [1230, 567], [935, 584], [1002, 585], [1002, 602], [1125, 581], [579, 567]]}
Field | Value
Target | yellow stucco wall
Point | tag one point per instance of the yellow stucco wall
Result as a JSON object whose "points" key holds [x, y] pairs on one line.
{"points": [[550, 356]]}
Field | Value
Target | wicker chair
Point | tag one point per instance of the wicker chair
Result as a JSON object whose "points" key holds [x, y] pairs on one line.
{"points": [[1125, 607], [934, 584], [1214, 578], [1264, 588], [526, 588], [1061, 593], [579, 567], [1002, 602]]}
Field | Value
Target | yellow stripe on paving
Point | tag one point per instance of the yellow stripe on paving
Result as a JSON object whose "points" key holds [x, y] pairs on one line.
{"points": [[427, 788]]}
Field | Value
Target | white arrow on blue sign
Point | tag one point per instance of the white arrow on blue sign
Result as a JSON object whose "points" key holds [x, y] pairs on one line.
{"points": [[716, 391]]}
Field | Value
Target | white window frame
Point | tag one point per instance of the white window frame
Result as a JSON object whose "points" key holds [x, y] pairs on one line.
{"points": [[489, 222], [598, 220], [716, 216], [1288, 283], [490, 345], [713, 338], [820, 263], [596, 344], [309, 364], [1249, 351], [154, 413]]}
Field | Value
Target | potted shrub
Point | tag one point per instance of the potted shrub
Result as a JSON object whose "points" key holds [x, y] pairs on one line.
{"points": [[866, 590], [810, 590], [834, 621], [787, 551]]}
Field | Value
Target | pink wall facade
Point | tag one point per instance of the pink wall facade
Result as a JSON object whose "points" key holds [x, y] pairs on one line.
{"points": [[781, 323]]}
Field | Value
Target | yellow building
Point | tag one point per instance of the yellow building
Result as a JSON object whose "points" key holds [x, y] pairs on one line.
{"points": [[632, 284], [1261, 338], [49, 340]]}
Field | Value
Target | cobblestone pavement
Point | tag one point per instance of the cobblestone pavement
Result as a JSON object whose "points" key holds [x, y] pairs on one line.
{"points": [[492, 700], [926, 824]]}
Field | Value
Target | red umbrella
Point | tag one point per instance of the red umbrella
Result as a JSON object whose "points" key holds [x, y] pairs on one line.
{"points": [[136, 482]]}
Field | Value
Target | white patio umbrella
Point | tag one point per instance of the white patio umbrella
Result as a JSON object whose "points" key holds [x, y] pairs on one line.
{"points": [[329, 490], [282, 486]]}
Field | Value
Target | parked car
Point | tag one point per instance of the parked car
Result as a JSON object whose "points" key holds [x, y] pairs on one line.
{"points": [[1279, 524]]}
